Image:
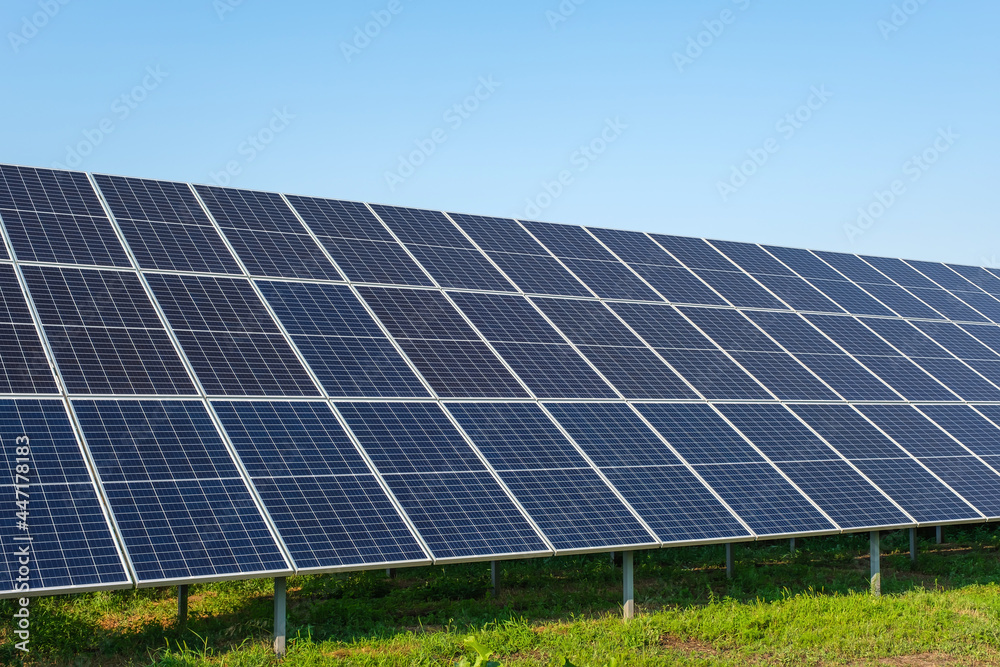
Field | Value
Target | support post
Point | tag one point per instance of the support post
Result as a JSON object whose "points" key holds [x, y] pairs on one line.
{"points": [[939, 534], [182, 606], [729, 560], [913, 545], [390, 572], [493, 577], [628, 597], [279, 616], [876, 580], [791, 546]]}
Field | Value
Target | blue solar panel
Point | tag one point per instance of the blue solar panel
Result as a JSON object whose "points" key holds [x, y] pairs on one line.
{"points": [[340, 341], [506, 318], [229, 337], [456, 505], [698, 433], [849, 432], [587, 322], [568, 500], [71, 544], [983, 303], [31, 189], [793, 333], [375, 262], [498, 234], [636, 372], [611, 280], [181, 507], [784, 376], [165, 226], [460, 268], [777, 433], [612, 435], [250, 210], [740, 289], [798, 294], [568, 241], [804, 263], [972, 479], [852, 335], [326, 504], [694, 253], [848, 378], [554, 371], [58, 237], [907, 338], [967, 425], [912, 430], [987, 335], [902, 302], [752, 258], [24, 367], [633, 247], [948, 305], [417, 314], [678, 285], [104, 333], [850, 297], [962, 380]]}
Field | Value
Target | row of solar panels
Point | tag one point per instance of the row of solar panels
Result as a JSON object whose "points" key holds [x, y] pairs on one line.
{"points": [[199, 492], [198, 293]]}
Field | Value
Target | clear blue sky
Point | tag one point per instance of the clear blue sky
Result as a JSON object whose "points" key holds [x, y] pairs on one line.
{"points": [[676, 116]]}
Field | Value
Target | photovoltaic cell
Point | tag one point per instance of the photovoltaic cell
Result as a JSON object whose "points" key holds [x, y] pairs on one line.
{"points": [[699, 434], [968, 426], [327, 505], [730, 329], [850, 297], [498, 234], [804, 263], [902, 302], [662, 326], [777, 433], [943, 276], [900, 272], [48, 190], [974, 480], [752, 258], [959, 341], [948, 305], [340, 219], [854, 268], [568, 241], [38, 236], [678, 285], [567, 499], [979, 276], [694, 253], [24, 367], [422, 227], [633, 247], [460, 268], [537, 274], [798, 294], [181, 507], [740, 289], [912, 430], [611, 280], [714, 375], [71, 544], [983, 303]]}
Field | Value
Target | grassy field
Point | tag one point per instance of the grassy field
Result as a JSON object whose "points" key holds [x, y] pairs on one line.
{"points": [[811, 608]]}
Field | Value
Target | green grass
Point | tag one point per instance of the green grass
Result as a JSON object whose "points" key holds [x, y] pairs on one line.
{"points": [[812, 608]]}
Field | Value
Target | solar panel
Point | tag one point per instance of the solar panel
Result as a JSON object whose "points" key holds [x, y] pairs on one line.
{"points": [[69, 539], [740, 289], [979, 276], [854, 268], [567, 241], [694, 253], [752, 258], [943, 276], [804, 263], [611, 280], [571, 504], [985, 304], [902, 302], [37, 236], [974, 431], [181, 506], [328, 507], [678, 284], [633, 247], [24, 369], [457, 506], [947, 304], [850, 297], [165, 226], [900, 272], [798, 294]]}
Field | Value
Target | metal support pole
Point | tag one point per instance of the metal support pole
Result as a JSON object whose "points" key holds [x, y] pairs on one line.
{"points": [[279, 616], [913, 545], [390, 572], [182, 606], [791, 546], [627, 584], [876, 581], [729, 560], [493, 577], [939, 534]]}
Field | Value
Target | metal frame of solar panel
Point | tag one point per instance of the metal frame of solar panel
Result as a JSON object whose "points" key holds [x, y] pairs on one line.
{"points": [[402, 387]]}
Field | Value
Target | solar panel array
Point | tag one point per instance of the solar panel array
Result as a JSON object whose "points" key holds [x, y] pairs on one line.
{"points": [[220, 383]]}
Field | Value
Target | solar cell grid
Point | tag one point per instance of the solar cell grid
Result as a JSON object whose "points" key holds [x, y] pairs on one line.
{"points": [[852, 335], [422, 227], [694, 253], [740, 289], [49, 190], [900, 272], [902, 302], [943, 276], [804, 263], [460, 268], [850, 297], [65, 238], [177, 247], [752, 258], [340, 219], [699, 434], [587, 322], [848, 378], [911, 429], [853, 267], [972, 479], [498, 234], [375, 262], [554, 371], [981, 302], [536, 274], [906, 337], [611, 280], [850, 433], [730, 329], [662, 326], [568, 241], [777, 433], [714, 375], [249, 210], [612, 435], [967, 425], [798, 294], [506, 318], [281, 254], [947, 304], [979, 276], [678, 285], [793, 333], [961, 341], [417, 314]]}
